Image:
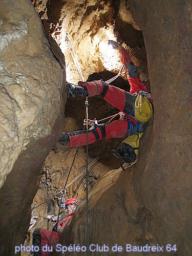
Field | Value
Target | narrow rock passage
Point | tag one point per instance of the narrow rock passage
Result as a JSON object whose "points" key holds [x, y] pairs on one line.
{"points": [[147, 204], [104, 64]]}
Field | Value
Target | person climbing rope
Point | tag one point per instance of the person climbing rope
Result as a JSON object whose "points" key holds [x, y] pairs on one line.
{"points": [[43, 237], [129, 148], [135, 105], [71, 206], [128, 124], [132, 71]]}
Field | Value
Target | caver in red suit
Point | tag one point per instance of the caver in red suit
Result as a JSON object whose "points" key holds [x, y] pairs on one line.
{"points": [[135, 82], [116, 97], [45, 238], [122, 100]]}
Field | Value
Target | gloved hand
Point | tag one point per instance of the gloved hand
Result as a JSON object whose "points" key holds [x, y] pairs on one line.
{"points": [[114, 44]]}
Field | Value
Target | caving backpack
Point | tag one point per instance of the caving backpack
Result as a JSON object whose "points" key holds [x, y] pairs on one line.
{"points": [[143, 107]]}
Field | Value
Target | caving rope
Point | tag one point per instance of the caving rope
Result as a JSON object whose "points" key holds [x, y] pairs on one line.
{"points": [[48, 186], [91, 174], [76, 62], [116, 76], [87, 123], [64, 187], [47, 192], [59, 211], [81, 176]]}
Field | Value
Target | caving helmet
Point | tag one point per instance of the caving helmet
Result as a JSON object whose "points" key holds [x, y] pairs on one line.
{"points": [[72, 200]]}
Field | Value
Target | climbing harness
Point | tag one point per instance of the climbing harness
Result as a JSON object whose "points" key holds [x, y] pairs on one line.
{"points": [[96, 122], [108, 119]]}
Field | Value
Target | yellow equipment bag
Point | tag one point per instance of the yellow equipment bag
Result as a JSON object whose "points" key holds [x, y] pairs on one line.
{"points": [[143, 108], [134, 141]]}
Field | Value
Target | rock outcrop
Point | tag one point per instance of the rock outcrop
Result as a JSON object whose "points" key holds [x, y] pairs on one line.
{"points": [[152, 201], [31, 102]]}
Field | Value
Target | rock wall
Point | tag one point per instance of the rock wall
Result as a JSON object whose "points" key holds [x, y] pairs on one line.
{"points": [[151, 202], [31, 83], [76, 25], [31, 102], [82, 30], [165, 184]]}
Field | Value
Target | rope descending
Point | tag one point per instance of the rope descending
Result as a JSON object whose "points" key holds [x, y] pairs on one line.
{"points": [[109, 81], [76, 62], [64, 188]]}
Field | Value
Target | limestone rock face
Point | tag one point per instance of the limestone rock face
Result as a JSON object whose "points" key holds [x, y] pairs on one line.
{"points": [[31, 111], [30, 82], [83, 28], [79, 27]]}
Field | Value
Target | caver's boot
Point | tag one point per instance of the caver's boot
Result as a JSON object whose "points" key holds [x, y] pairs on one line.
{"points": [[64, 139], [128, 150], [126, 154]]}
